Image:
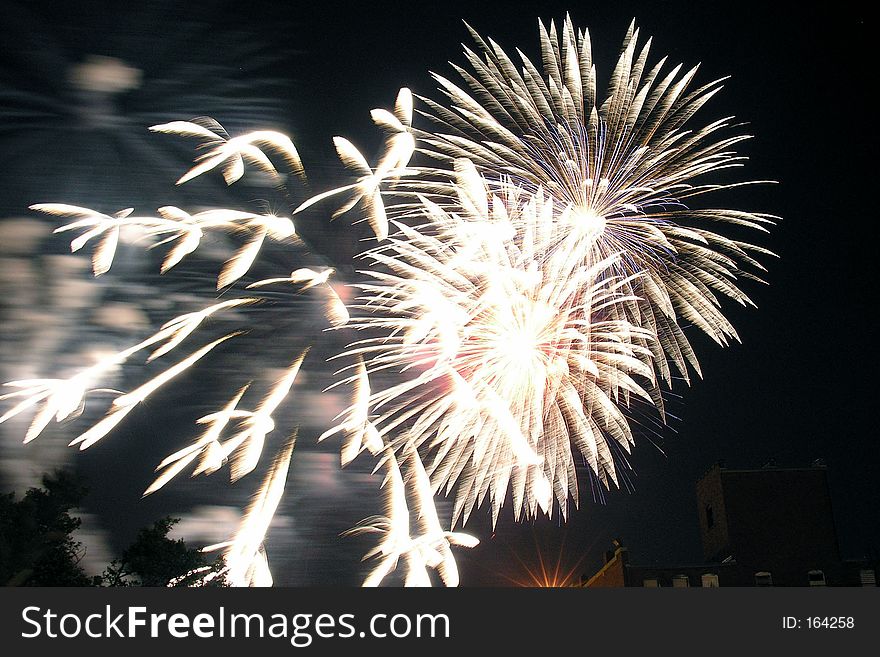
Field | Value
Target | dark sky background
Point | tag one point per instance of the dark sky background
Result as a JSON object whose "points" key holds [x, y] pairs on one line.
{"points": [[797, 389]]}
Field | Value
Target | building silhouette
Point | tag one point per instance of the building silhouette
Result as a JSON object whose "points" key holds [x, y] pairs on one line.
{"points": [[767, 527]]}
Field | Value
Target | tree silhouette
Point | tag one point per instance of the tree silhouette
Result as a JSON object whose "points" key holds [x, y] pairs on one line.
{"points": [[155, 560], [37, 547]]}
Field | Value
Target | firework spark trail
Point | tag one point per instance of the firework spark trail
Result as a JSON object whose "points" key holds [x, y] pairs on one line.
{"points": [[232, 153], [188, 229], [430, 546], [245, 557], [525, 294], [64, 397]]}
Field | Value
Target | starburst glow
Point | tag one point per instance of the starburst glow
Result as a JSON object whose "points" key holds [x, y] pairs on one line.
{"points": [[514, 356], [527, 291], [625, 163]]}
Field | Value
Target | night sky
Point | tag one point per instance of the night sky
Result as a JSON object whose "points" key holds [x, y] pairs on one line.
{"points": [[797, 389]]}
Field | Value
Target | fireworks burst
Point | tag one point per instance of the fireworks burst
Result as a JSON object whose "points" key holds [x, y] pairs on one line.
{"points": [[516, 358], [624, 165], [527, 290]]}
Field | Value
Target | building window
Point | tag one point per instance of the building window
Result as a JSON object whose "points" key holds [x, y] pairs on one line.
{"points": [[710, 517], [763, 578], [709, 580], [816, 578], [868, 577], [651, 583], [680, 581]]}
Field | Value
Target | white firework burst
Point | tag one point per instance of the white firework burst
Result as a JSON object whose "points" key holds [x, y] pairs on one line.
{"points": [[625, 164], [512, 352]]}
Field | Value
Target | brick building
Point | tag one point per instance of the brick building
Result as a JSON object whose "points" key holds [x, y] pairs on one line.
{"points": [[767, 527]]}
